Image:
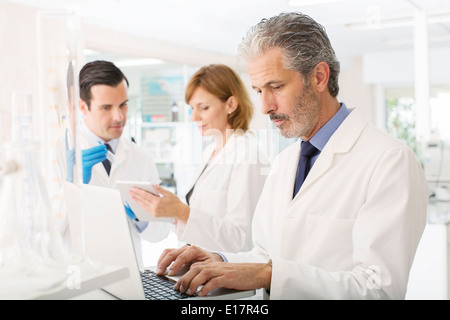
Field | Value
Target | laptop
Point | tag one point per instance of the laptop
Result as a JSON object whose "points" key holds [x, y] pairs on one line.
{"points": [[102, 232]]}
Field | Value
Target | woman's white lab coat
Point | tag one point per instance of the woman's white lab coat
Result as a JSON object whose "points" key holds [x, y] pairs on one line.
{"points": [[225, 195], [353, 229], [134, 164]]}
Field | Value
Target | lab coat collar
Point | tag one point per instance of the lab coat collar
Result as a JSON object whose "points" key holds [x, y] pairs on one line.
{"points": [[122, 152], [119, 148], [321, 137], [93, 139], [349, 131], [340, 142], [226, 154]]}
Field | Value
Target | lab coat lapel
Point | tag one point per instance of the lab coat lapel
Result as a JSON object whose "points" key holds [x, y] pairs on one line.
{"points": [[288, 169], [321, 166], [100, 172], [121, 154], [340, 142], [225, 156], [201, 170]]}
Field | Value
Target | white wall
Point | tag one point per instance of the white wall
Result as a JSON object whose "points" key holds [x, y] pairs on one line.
{"points": [[107, 40], [18, 63], [397, 67], [354, 92]]}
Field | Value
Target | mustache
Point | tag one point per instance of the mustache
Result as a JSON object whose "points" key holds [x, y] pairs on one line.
{"points": [[280, 116]]}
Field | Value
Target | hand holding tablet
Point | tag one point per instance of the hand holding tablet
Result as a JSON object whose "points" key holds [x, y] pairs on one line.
{"points": [[125, 186]]}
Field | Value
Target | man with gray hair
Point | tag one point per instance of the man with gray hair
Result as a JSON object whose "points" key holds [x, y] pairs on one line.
{"points": [[342, 213]]}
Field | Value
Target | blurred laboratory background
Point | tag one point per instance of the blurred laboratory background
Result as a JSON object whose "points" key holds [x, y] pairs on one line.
{"points": [[394, 67]]}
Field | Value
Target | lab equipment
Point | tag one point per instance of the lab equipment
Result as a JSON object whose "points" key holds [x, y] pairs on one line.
{"points": [[70, 159], [8, 167], [32, 255], [111, 157], [22, 116], [56, 111]]}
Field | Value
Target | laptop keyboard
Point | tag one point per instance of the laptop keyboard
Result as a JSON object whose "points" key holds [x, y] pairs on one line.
{"points": [[159, 288]]}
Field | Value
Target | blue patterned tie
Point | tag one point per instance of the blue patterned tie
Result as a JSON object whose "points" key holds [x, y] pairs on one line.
{"points": [[307, 151]]}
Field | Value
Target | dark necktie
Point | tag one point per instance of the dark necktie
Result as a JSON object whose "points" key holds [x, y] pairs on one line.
{"points": [[106, 162], [307, 151]]}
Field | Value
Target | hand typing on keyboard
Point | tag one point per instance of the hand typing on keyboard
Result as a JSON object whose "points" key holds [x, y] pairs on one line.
{"points": [[159, 287], [206, 270]]}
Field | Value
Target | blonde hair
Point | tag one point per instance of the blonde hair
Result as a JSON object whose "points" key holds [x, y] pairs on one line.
{"points": [[223, 82]]}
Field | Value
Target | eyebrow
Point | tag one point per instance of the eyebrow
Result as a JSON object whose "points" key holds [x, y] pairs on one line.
{"points": [[267, 84], [200, 103], [110, 105]]}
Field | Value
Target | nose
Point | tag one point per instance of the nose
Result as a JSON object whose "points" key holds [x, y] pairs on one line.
{"points": [[118, 114], [268, 102], [195, 116]]}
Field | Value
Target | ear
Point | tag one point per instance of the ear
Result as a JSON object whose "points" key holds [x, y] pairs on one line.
{"points": [[84, 107], [231, 104], [320, 76]]}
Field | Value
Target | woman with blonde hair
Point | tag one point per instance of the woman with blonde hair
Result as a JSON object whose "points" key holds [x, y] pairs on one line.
{"points": [[219, 207]]}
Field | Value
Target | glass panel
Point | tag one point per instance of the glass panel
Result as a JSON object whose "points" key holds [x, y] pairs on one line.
{"points": [[401, 116], [434, 155]]}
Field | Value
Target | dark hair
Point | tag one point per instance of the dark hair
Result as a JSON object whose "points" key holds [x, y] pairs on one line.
{"points": [[303, 40], [98, 72]]}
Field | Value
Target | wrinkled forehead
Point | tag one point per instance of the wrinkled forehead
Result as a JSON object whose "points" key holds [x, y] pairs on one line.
{"points": [[268, 65]]}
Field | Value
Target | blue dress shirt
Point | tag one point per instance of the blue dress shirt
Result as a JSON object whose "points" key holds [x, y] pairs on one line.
{"points": [[320, 139]]}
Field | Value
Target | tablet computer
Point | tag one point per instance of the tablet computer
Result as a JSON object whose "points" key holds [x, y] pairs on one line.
{"points": [[140, 213]]}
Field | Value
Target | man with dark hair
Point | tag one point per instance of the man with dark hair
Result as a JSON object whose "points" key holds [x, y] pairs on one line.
{"points": [[104, 104]]}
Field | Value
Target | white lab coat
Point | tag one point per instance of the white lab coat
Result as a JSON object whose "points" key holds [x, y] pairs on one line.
{"points": [[353, 229], [225, 196], [135, 164]]}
